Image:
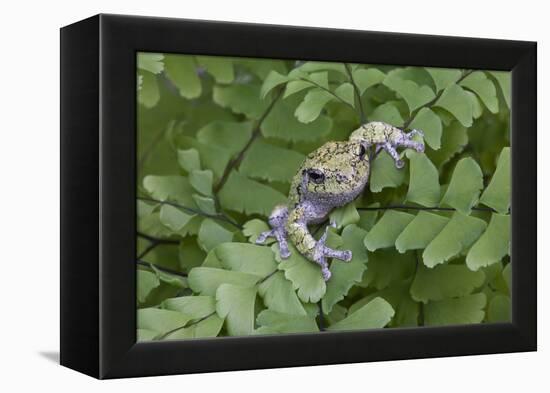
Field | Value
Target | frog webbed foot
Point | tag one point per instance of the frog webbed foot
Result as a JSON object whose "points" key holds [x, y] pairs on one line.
{"points": [[325, 272], [277, 220], [402, 140], [410, 143], [322, 252], [280, 235]]}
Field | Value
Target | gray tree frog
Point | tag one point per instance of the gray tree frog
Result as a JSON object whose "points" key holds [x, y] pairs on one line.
{"points": [[330, 177]]}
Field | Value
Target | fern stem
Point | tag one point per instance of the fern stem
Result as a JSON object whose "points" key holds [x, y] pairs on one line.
{"points": [[162, 336], [219, 216], [148, 249], [267, 277], [234, 163], [149, 149], [328, 91], [432, 102], [362, 117], [150, 265], [321, 316], [157, 239], [437, 208], [420, 319]]}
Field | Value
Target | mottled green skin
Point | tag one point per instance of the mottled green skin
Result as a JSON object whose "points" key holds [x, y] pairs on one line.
{"points": [[387, 137], [345, 166], [346, 172], [377, 132]]}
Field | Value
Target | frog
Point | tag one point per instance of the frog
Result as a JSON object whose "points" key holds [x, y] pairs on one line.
{"points": [[332, 176]]}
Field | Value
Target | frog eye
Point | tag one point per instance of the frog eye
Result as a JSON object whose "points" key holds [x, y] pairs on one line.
{"points": [[362, 151], [316, 176]]}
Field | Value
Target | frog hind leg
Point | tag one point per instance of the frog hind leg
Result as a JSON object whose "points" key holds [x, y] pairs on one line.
{"points": [[324, 268], [406, 140], [314, 250], [343, 255], [415, 132], [412, 144], [418, 146], [321, 260], [390, 149], [277, 221]]}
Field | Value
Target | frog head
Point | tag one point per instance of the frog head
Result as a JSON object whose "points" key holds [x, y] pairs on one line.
{"points": [[335, 173]]}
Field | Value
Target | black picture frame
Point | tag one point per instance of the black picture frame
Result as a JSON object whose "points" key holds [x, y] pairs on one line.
{"points": [[98, 204]]}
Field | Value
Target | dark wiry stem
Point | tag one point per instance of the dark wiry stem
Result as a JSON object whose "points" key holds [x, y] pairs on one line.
{"points": [[327, 90], [157, 239], [148, 249], [321, 316], [413, 115], [420, 304], [207, 316], [267, 277], [150, 265], [219, 216], [362, 117], [432, 102], [157, 138], [234, 163], [184, 326], [408, 207]]}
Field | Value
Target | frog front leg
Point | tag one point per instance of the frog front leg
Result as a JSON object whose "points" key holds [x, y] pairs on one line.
{"points": [[277, 221], [305, 243], [401, 139], [406, 140]]}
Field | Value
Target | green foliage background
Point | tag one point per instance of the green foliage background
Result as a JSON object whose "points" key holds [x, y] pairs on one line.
{"points": [[219, 142]]}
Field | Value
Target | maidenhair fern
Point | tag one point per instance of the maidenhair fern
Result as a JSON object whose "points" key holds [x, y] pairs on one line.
{"points": [[219, 142]]}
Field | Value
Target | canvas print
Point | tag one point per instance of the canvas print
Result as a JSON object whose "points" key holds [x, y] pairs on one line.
{"points": [[294, 196]]}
